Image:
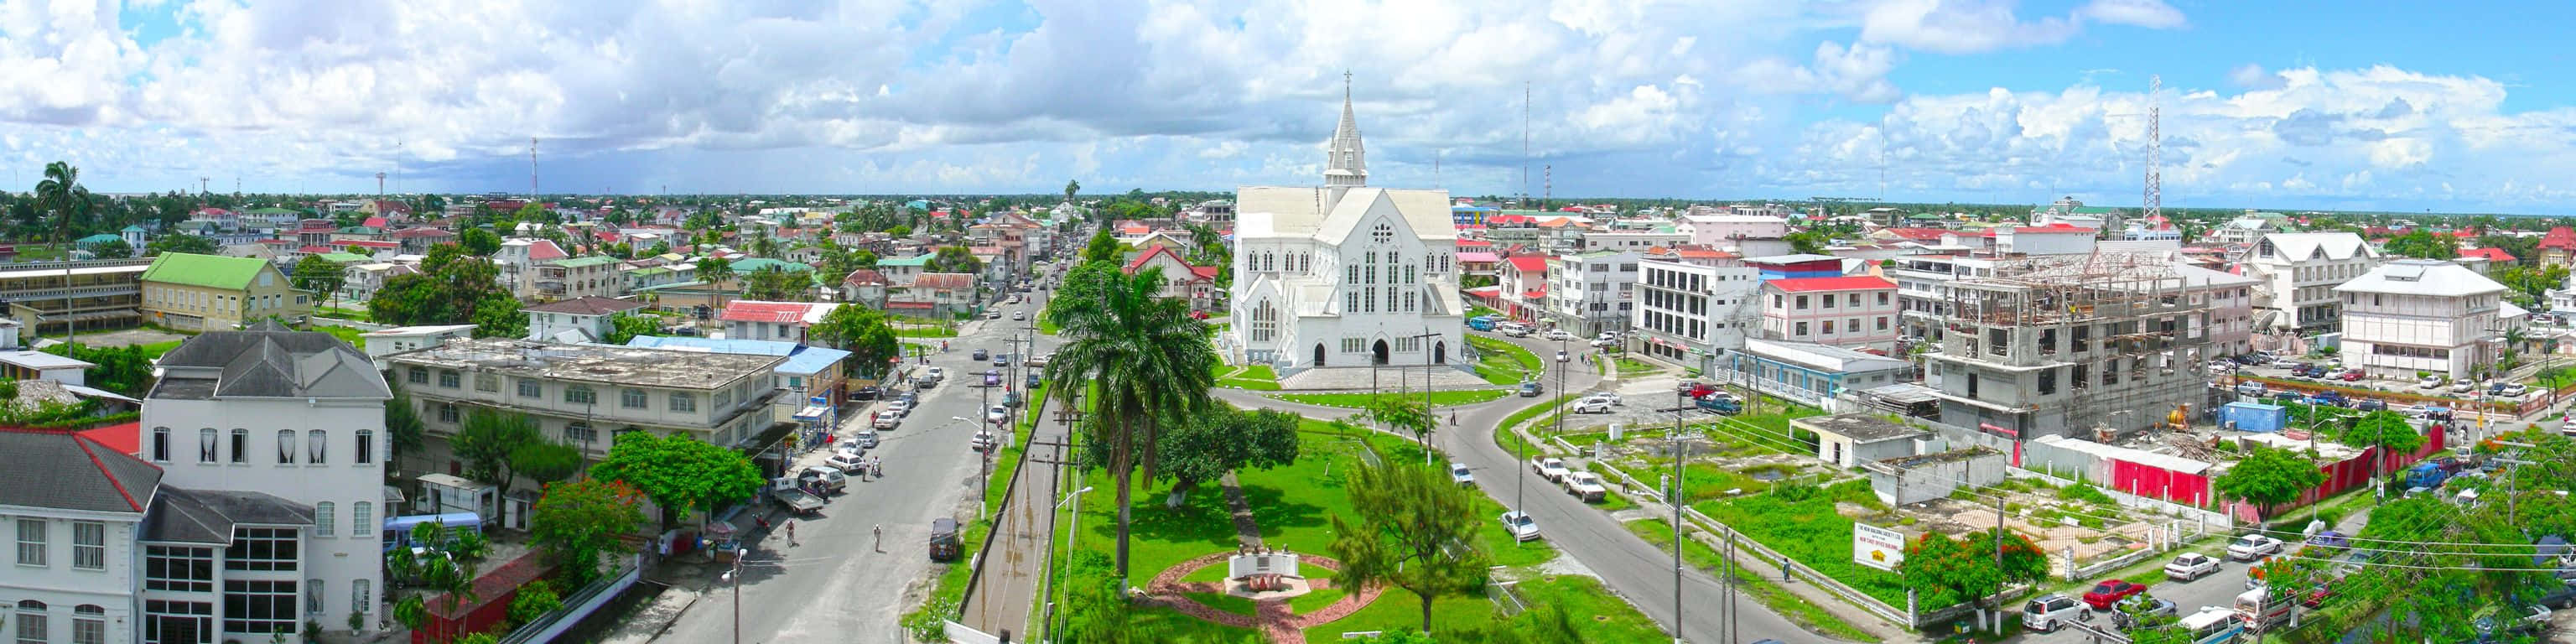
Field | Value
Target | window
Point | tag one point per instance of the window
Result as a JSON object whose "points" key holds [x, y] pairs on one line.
{"points": [[286, 447], [1802, 329], [579, 395], [449, 379], [262, 549], [1882, 323], [89, 624], [579, 432], [1802, 302], [487, 382], [31, 542], [1829, 326], [1882, 299], [360, 519], [366, 452], [179, 568], [241, 445], [259, 606], [684, 402], [161, 444], [31, 622], [324, 520], [315, 450], [418, 376], [89, 545], [206, 445], [531, 389], [724, 400], [633, 398], [313, 596]]}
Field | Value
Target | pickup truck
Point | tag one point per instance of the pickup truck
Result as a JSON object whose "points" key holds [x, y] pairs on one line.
{"points": [[784, 490], [1550, 468], [1718, 404], [1586, 486]]}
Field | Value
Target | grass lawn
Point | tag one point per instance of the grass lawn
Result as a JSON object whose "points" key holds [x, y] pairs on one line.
{"points": [[1223, 602], [1701, 481], [1257, 377], [1045, 326], [1362, 401], [1503, 363], [1633, 367], [1779, 600], [345, 334], [1583, 599], [924, 332], [1480, 310], [154, 350], [341, 313], [1808, 530]]}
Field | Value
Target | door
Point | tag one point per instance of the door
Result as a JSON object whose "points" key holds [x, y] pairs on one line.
{"points": [[1377, 353], [1319, 354], [1440, 352]]}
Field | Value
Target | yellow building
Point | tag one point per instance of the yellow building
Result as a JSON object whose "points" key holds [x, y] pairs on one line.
{"points": [[208, 293]]}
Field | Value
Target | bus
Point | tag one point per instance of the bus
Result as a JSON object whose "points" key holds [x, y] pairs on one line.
{"points": [[2262, 611], [398, 529], [2213, 625]]}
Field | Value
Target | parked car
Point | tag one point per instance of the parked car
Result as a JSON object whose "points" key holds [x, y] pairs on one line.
{"points": [[1608, 397], [2128, 611], [2372, 404], [983, 441], [936, 373], [2111, 591], [1586, 486], [865, 439], [2190, 566], [1552, 469], [898, 408], [824, 477], [1558, 334], [1519, 525], [1606, 342], [2512, 390], [2429, 382], [886, 420], [1459, 474], [2464, 387], [866, 393], [2050, 612], [845, 463], [1516, 331], [2329, 539], [997, 414], [2350, 376], [2253, 546], [1039, 360], [1592, 406]]}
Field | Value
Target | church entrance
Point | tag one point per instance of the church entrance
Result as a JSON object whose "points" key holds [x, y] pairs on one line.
{"points": [[1440, 352], [1319, 354], [1377, 353]]}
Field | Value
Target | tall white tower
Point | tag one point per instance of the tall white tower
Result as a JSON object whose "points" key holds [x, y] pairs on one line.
{"points": [[1346, 165], [2155, 197]]}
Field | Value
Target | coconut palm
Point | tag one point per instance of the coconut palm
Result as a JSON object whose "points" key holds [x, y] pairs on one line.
{"points": [[62, 194], [1146, 359], [714, 271]]}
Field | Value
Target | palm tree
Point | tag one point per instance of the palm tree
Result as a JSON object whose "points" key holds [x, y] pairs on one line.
{"points": [[1147, 361], [62, 194], [714, 271]]}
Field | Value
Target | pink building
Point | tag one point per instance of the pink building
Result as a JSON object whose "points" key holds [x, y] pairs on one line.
{"points": [[1855, 312]]}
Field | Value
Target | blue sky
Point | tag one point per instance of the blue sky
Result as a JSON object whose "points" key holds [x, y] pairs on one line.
{"points": [[2358, 105]]}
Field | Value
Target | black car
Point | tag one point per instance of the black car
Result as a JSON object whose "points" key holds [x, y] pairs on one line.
{"points": [[2562, 597], [866, 393], [981, 355]]}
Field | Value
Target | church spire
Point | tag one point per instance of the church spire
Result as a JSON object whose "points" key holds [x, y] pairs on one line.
{"points": [[1346, 163]]}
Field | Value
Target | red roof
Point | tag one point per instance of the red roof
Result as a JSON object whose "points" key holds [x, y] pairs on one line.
{"points": [[2561, 237], [2464, 233], [2490, 254], [545, 249], [1204, 272], [1474, 243], [1918, 234], [276, 242], [367, 243], [374, 222], [1529, 263], [865, 277], [1138, 264], [1534, 294], [1847, 283], [770, 312], [944, 281], [125, 439]]}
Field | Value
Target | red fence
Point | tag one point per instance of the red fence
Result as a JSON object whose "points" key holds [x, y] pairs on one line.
{"points": [[489, 609]]}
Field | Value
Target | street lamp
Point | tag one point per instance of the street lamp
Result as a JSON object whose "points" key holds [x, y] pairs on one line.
{"points": [[735, 577], [1075, 499]]}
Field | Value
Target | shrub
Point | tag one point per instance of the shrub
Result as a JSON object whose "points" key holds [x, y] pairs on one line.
{"points": [[2086, 493], [534, 601]]}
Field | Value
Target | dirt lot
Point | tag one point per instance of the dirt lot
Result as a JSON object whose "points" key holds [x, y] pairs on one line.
{"points": [[127, 337]]}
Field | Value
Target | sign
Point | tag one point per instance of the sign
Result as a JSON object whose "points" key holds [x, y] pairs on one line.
{"points": [[1877, 547]]}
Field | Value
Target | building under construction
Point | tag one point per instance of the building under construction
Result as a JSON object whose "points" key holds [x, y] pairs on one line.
{"points": [[2084, 345]]}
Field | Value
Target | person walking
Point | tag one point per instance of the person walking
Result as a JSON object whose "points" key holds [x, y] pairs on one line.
{"points": [[791, 533], [879, 530]]}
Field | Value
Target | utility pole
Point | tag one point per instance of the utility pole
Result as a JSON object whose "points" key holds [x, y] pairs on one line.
{"points": [[1674, 497], [1999, 565]]}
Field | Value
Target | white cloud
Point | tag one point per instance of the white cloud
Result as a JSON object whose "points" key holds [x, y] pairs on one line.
{"points": [[2252, 76], [2151, 14], [1968, 26]]}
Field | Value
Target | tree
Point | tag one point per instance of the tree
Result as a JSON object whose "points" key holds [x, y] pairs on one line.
{"points": [[578, 523], [1809, 241], [1964, 568], [714, 271], [112, 249], [898, 231], [680, 474], [954, 259], [1104, 247], [125, 370], [498, 316], [479, 242], [1204, 447], [860, 330], [486, 442], [1147, 359], [319, 276], [775, 283], [182, 243], [545, 462], [61, 194], [1071, 187], [625, 325], [403, 428], [535, 600], [1405, 412], [2389, 432], [2270, 476], [1415, 530], [2424, 245], [450, 288]]}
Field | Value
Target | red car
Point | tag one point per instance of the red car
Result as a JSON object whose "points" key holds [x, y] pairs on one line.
{"points": [[2317, 598], [2350, 376], [2109, 592]]}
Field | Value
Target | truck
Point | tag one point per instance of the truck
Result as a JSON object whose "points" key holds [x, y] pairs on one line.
{"points": [[1718, 403], [2263, 610], [785, 490], [944, 542], [2427, 475]]}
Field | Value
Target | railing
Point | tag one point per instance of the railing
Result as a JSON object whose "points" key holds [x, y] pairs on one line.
{"points": [[545, 628]]}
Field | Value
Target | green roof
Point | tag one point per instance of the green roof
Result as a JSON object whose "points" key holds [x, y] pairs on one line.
{"points": [[97, 239], [342, 258], [273, 210], [761, 263], [130, 228], [650, 270], [579, 262], [189, 269], [2094, 210], [916, 261]]}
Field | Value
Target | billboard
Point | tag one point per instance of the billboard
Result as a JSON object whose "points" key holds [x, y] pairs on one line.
{"points": [[1877, 547]]}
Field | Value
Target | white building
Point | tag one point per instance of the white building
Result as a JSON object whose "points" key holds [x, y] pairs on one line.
{"points": [[74, 508], [1722, 231], [1344, 274], [577, 320], [2298, 273], [2420, 315], [1689, 314], [580, 394], [385, 342], [1593, 292], [278, 438]]}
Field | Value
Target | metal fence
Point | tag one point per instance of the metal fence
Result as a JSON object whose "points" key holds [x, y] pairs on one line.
{"points": [[547, 627]]}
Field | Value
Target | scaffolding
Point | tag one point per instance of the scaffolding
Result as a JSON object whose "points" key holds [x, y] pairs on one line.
{"points": [[2126, 326]]}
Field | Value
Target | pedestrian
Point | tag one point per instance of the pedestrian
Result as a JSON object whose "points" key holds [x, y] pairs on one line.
{"points": [[791, 532], [1785, 565], [763, 522], [879, 530]]}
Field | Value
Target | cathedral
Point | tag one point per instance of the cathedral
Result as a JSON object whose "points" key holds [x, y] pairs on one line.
{"points": [[1344, 274]]}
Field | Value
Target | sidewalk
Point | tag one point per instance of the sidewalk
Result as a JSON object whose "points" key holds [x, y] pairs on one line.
{"points": [[1008, 585]]}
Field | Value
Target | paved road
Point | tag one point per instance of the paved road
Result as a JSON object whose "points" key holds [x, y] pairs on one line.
{"points": [[2218, 589], [1626, 564], [835, 587]]}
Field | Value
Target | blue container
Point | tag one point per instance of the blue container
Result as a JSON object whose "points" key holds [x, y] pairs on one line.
{"points": [[2254, 417]]}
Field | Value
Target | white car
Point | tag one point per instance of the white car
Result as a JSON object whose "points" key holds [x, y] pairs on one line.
{"points": [[1606, 342], [1558, 334], [2253, 546], [1608, 397], [1019, 315], [997, 415], [898, 409], [1552, 469], [2190, 566], [1516, 331], [865, 439], [1459, 474], [1039, 360], [935, 373], [1520, 526], [842, 462], [1592, 406], [983, 441], [2464, 387], [1586, 486], [2429, 383]]}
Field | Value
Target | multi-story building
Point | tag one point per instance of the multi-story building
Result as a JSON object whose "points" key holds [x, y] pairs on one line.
{"points": [[579, 277], [1195, 284], [212, 293], [1629, 241], [2413, 316], [900, 271], [784, 321], [1523, 279], [581, 395], [2557, 247], [279, 439], [1722, 231], [1688, 314], [1854, 312], [360, 281], [100, 293], [1593, 292], [808, 371], [2298, 273], [517, 263], [2067, 344], [76, 511], [577, 320], [385, 342]]}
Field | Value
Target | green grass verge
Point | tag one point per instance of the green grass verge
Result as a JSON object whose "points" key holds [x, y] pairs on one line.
{"points": [[1700, 482], [1362, 401], [1257, 377], [924, 332], [1599, 615], [1503, 363], [1635, 367], [1809, 530], [1787, 604], [341, 313]]}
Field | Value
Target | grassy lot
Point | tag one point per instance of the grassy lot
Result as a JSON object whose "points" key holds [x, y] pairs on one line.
{"points": [[1701, 481], [1479, 310], [1771, 595], [1257, 377], [1362, 401], [341, 313], [345, 334], [1635, 367], [1806, 528], [1503, 363]]}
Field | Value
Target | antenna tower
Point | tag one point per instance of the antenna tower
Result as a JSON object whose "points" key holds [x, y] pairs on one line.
{"points": [[201, 184], [1525, 142], [2155, 197], [1547, 185], [380, 185], [532, 169]]}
